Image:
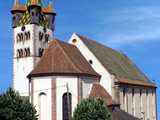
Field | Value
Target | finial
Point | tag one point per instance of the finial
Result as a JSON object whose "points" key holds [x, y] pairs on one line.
{"points": [[50, 6], [34, 2], [49, 9], [16, 2], [50, 2]]}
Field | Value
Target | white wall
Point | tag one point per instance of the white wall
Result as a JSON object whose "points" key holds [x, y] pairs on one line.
{"points": [[106, 79], [23, 66], [87, 86], [61, 82], [43, 85], [141, 105]]}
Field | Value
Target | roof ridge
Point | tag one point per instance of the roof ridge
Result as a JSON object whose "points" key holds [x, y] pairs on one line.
{"points": [[67, 55]]}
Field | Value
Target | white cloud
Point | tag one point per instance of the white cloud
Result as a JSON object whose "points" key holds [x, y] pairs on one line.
{"points": [[131, 25]]}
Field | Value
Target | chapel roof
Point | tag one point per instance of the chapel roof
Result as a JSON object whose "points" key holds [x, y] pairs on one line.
{"points": [[61, 58], [116, 63], [99, 92]]}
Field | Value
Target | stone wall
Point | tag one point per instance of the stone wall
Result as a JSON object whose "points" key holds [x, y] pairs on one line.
{"points": [[138, 101]]}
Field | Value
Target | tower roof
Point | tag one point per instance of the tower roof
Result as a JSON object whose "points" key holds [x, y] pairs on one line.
{"points": [[34, 2], [25, 18], [18, 7], [49, 9], [64, 59]]}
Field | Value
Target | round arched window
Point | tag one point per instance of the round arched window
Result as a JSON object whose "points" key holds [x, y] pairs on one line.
{"points": [[67, 105], [23, 28], [42, 105]]}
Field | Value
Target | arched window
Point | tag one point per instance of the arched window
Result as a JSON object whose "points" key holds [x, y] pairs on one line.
{"points": [[21, 37], [18, 37], [25, 52], [40, 36], [18, 53], [46, 38], [42, 106], [21, 53], [28, 52], [27, 35], [23, 28], [67, 105], [133, 102], [40, 52]]}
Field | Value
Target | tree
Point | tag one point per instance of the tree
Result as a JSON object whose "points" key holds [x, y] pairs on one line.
{"points": [[91, 109], [15, 107]]}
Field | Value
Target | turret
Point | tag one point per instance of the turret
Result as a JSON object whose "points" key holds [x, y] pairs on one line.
{"points": [[17, 12], [50, 15], [35, 12]]}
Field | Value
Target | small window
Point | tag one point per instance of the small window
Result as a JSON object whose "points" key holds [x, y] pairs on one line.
{"points": [[91, 62], [18, 37], [74, 41], [29, 35], [46, 38], [23, 28], [28, 52], [14, 18], [18, 53], [133, 101], [32, 13], [25, 52], [36, 13], [40, 52], [44, 29], [40, 36], [21, 37], [26, 36], [21, 53]]}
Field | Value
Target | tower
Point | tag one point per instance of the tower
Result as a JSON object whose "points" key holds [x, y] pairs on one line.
{"points": [[33, 27]]}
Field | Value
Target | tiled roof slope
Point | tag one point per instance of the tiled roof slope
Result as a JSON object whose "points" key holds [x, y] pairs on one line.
{"points": [[115, 62], [62, 58], [99, 92]]}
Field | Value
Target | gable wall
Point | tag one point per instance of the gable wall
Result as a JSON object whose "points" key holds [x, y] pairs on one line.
{"points": [[106, 79]]}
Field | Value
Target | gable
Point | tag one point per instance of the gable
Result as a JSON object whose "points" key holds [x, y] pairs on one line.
{"points": [[115, 62]]}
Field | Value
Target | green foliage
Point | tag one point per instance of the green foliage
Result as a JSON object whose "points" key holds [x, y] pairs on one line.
{"points": [[15, 107], [91, 109]]}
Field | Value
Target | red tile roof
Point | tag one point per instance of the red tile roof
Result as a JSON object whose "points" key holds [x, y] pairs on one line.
{"points": [[62, 58], [135, 82], [100, 93]]}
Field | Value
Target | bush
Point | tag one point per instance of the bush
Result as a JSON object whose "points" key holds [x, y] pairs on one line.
{"points": [[91, 109], [15, 107]]}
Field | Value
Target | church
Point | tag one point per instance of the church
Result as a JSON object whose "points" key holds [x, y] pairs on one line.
{"points": [[57, 75]]}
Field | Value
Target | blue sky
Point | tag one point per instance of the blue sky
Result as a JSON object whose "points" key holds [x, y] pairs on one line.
{"points": [[131, 26]]}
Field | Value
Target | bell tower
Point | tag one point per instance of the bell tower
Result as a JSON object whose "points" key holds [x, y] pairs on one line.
{"points": [[33, 27]]}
